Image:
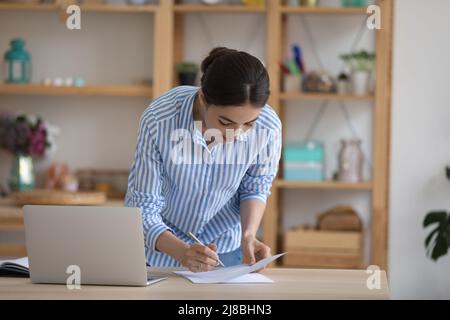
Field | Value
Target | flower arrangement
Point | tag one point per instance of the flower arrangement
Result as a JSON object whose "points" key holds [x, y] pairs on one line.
{"points": [[26, 135]]}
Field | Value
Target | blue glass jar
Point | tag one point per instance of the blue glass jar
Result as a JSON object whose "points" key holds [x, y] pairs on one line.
{"points": [[17, 63]]}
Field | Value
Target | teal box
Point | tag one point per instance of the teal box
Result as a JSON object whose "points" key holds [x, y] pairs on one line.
{"points": [[304, 161]]}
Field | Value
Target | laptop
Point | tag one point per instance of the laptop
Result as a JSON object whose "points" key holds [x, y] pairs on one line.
{"points": [[103, 245]]}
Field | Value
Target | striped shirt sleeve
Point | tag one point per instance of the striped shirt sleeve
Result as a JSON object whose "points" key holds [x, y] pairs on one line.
{"points": [[257, 181], [144, 185]]}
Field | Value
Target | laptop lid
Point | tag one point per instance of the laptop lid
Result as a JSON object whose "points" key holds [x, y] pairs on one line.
{"points": [[106, 243]]}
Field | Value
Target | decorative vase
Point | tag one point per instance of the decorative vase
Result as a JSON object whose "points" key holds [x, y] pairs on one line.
{"points": [[22, 173], [360, 82], [351, 161], [292, 83]]}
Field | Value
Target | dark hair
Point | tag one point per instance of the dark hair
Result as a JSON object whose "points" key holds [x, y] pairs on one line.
{"points": [[234, 78]]}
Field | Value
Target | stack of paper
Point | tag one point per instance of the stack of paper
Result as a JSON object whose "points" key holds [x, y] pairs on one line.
{"points": [[236, 274]]}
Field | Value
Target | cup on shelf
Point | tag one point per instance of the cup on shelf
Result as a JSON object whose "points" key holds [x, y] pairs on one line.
{"points": [[360, 83], [291, 83]]}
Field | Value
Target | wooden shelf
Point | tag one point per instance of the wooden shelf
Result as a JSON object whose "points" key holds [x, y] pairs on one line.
{"points": [[193, 8], [90, 90], [323, 96], [119, 8], [28, 6], [285, 184], [86, 8], [324, 10]]}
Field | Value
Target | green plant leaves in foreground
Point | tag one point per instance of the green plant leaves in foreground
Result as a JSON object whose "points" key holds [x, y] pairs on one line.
{"points": [[438, 241]]}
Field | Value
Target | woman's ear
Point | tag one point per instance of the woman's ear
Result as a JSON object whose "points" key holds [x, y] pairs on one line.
{"points": [[201, 96]]}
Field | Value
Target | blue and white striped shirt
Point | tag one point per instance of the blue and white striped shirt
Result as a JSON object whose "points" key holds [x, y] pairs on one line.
{"points": [[181, 185]]}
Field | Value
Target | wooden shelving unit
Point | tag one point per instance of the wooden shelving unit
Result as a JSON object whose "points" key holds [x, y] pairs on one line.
{"points": [[323, 96], [27, 7], [194, 8], [89, 90], [378, 188], [322, 10], [169, 36], [275, 18], [325, 185], [121, 90], [84, 8]]}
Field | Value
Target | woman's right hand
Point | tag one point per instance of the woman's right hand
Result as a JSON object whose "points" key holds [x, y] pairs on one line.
{"points": [[198, 258]]}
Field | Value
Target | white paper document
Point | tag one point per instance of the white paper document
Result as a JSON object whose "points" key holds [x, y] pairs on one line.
{"points": [[236, 274]]}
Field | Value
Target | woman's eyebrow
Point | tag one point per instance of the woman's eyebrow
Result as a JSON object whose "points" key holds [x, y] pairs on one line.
{"points": [[226, 119]]}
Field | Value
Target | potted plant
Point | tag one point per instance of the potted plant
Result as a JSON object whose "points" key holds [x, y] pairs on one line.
{"points": [[438, 241], [362, 65], [343, 83], [24, 136], [187, 73]]}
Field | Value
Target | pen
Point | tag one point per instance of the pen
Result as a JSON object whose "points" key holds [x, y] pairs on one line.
{"points": [[199, 242]]}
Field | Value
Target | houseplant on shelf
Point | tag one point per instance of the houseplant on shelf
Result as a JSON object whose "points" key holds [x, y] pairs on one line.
{"points": [[187, 73], [343, 83], [362, 65], [24, 136], [438, 241]]}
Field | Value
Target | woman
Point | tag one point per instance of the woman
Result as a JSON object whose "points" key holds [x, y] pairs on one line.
{"points": [[204, 163]]}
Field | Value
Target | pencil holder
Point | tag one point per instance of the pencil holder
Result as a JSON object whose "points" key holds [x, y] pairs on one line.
{"points": [[291, 83]]}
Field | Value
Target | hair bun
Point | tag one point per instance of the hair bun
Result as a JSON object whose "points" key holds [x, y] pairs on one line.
{"points": [[214, 54]]}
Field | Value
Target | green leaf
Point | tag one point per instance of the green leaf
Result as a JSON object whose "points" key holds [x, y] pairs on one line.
{"points": [[187, 67], [448, 172], [430, 236], [433, 217], [440, 235], [440, 249]]}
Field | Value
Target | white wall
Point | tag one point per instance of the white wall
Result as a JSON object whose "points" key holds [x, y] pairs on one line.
{"points": [[420, 145], [421, 110]]}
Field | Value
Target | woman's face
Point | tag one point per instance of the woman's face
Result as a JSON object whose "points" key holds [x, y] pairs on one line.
{"points": [[229, 121]]}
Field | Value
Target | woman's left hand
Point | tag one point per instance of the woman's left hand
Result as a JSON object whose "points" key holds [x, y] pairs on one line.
{"points": [[254, 250]]}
